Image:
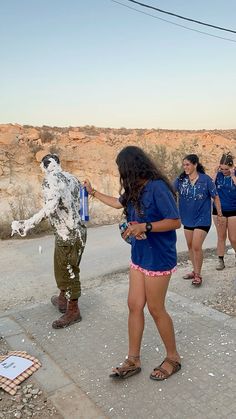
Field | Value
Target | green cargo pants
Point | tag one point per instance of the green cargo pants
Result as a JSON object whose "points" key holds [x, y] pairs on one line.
{"points": [[67, 258]]}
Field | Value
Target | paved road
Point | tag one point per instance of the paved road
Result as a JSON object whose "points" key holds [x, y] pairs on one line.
{"points": [[76, 361], [26, 274]]}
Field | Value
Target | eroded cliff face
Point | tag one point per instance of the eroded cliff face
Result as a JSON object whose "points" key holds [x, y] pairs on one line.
{"points": [[90, 152]]}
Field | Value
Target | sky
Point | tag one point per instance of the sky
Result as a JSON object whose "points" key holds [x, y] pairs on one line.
{"points": [[96, 62]]}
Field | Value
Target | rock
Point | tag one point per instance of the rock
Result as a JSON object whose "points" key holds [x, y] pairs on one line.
{"points": [[77, 135], [28, 413], [20, 407], [92, 151], [35, 391]]}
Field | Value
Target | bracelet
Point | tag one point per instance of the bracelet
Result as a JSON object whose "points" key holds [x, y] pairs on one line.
{"points": [[92, 193], [219, 215]]}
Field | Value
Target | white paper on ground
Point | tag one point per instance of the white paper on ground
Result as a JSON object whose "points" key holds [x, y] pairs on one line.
{"points": [[13, 366]]}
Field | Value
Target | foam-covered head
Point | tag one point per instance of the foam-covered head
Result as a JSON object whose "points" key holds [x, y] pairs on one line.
{"points": [[50, 163]]}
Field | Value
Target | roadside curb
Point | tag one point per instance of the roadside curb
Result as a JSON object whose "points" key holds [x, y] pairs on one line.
{"points": [[69, 400], [201, 309]]}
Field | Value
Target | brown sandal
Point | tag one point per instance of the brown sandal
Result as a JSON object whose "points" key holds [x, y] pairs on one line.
{"points": [[197, 281], [189, 276], [127, 369], [176, 367]]}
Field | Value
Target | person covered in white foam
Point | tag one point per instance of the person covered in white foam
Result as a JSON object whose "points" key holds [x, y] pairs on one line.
{"points": [[61, 192]]}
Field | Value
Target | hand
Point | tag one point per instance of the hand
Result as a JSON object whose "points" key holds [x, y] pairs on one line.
{"points": [[18, 227], [88, 186], [232, 171], [136, 230]]}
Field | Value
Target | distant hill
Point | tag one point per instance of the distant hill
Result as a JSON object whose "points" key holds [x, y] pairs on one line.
{"points": [[90, 152]]}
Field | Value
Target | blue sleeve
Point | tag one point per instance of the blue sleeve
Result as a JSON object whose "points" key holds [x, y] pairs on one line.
{"points": [[121, 200], [165, 201], [211, 187]]}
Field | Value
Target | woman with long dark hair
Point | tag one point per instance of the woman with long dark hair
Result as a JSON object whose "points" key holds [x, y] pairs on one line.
{"points": [[149, 204], [196, 191], [225, 181]]}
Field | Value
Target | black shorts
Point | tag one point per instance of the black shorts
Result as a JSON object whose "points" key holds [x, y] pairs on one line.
{"points": [[225, 213], [204, 228]]}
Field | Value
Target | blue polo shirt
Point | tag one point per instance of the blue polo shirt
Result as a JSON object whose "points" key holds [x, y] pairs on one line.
{"points": [[158, 251], [226, 189], [195, 200]]}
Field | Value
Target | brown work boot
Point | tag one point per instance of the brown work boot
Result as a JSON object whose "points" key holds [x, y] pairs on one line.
{"points": [[71, 316], [60, 301]]}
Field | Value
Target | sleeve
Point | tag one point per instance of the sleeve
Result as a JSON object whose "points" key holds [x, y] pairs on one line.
{"points": [[211, 187], [121, 200], [165, 201], [51, 199]]}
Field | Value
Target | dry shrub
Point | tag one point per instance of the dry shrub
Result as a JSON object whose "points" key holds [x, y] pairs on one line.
{"points": [[170, 162], [46, 136]]}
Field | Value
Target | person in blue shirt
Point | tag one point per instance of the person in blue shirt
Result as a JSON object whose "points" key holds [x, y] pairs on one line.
{"points": [[195, 192], [149, 204], [225, 181]]}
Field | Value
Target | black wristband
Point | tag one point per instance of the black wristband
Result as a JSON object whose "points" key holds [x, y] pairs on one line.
{"points": [[148, 227]]}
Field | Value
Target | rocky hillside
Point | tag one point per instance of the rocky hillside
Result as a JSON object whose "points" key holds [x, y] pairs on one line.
{"points": [[90, 152]]}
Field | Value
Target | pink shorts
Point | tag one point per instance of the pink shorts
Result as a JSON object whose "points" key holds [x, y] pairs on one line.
{"points": [[152, 273]]}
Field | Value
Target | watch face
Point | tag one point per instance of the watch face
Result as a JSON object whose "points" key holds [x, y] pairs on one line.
{"points": [[148, 226]]}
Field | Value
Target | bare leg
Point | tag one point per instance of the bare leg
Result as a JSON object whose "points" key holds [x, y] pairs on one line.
{"points": [[198, 239], [136, 303], [156, 288], [232, 231], [189, 238], [221, 234]]}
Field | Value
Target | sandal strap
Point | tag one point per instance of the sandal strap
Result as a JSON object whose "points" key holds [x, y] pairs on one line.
{"points": [[197, 279], [166, 373], [174, 364], [126, 366]]}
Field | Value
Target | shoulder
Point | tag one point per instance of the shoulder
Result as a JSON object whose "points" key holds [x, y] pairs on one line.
{"points": [[219, 175], [67, 177], [205, 177], [161, 188], [158, 184]]}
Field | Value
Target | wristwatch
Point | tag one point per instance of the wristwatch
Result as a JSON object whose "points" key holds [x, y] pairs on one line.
{"points": [[148, 227]]}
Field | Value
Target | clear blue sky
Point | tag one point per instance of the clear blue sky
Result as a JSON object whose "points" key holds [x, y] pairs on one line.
{"points": [[79, 62]]}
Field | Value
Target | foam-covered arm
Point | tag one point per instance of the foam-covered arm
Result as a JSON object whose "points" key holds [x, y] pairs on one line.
{"points": [[23, 226]]}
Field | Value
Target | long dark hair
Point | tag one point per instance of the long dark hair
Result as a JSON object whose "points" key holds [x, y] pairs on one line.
{"points": [[194, 159], [227, 159], [135, 167]]}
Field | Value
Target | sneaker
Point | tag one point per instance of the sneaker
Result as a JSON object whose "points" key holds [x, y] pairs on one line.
{"points": [[220, 265], [230, 251]]}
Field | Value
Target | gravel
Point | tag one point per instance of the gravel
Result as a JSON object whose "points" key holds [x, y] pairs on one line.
{"points": [[29, 401]]}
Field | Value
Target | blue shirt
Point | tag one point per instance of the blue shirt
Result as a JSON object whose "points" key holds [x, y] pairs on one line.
{"points": [[195, 200], [158, 251], [226, 189]]}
